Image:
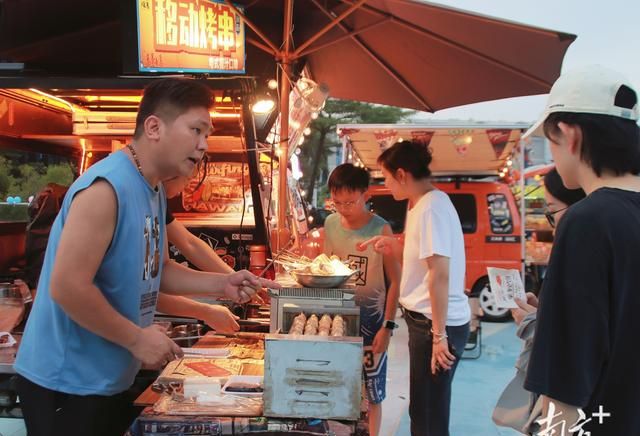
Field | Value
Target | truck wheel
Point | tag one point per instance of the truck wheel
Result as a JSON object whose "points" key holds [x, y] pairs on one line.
{"points": [[482, 290]]}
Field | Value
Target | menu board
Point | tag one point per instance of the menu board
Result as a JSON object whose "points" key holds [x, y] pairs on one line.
{"points": [[190, 36]]}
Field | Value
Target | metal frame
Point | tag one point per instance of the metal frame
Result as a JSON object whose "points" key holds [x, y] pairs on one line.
{"points": [[285, 57]]}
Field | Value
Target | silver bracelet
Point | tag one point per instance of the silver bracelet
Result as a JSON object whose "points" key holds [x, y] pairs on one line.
{"points": [[439, 336]]}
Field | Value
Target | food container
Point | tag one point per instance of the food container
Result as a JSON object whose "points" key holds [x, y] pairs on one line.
{"points": [[15, 293], [320, 281], [186, 335]]}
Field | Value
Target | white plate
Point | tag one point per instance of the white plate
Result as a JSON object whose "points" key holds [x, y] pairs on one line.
{"points": [[243, 379]]}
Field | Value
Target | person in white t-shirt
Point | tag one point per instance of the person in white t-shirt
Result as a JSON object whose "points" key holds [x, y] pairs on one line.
{"points": [[432, 286]]}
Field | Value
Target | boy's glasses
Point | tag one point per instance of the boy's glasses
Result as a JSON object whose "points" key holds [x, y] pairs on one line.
{"points": [[346, 205], [551, 218]]}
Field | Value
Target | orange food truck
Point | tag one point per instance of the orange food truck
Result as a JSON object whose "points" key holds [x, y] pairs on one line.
{"points": [[471, 163]]}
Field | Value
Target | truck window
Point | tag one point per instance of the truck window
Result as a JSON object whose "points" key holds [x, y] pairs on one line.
{"points": [[391, 210], [465, 205], [499, 214], [395, 211]]}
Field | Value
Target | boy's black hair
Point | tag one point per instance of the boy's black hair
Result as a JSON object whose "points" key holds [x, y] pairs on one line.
{"points": [[169, 98], [413, 157], [348, 177], [553, 183]]}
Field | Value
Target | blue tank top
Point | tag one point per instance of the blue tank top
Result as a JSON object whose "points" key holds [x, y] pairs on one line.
{"points": [[59, 354]]}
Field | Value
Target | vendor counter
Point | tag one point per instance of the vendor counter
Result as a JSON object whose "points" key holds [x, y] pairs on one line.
{"points": [[163, 415]]}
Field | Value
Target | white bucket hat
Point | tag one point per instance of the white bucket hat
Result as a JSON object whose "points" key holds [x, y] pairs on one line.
{"points": [[591, 90]]}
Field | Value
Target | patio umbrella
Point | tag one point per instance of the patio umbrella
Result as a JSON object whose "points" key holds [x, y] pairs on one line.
{"points": [[404, 53]]}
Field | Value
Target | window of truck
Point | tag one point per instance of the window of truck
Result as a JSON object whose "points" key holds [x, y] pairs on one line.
{"points": [[465, 205], [395, 212], [499, 214]]}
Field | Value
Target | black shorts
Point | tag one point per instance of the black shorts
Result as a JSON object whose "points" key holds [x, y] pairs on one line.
{"points": [[51, 413]]}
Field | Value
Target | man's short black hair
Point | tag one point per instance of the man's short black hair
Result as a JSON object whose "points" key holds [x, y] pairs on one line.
{"points": [[609, 143], [169, 98], [348, 177]]}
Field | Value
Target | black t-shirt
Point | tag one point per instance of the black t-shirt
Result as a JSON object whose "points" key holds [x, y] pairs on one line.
{"points": [[169, 217], [585, 351]]}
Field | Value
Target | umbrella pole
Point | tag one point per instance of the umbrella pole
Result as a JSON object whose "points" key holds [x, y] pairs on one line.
{"points": [[285, 88], [523, 218]]}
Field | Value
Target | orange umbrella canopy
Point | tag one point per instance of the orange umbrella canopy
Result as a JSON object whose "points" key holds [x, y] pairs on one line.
{"points": [[408, 53]]}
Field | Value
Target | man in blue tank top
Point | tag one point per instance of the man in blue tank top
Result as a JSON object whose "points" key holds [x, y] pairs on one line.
{"points": [[91, 328]]}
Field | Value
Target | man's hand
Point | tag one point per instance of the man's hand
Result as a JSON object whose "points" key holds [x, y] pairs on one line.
{"points": [[441, 358], [219, 318], [242, 286], [154, 348], [524, 308], [381, 341]]}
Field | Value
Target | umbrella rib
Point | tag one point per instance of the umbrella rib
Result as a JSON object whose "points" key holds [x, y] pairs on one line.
{"points": [[253, 27], [260, 45], [454, 44], [397, 77], [334, 22], [343, 37]]}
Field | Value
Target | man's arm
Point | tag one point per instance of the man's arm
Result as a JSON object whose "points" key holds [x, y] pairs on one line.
{"points": [[218, 317], [238, 286], [392, 273], [195, 249], [85, 238]]}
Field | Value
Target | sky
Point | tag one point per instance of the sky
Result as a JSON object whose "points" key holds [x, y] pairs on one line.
{"points": [[608, 34]]}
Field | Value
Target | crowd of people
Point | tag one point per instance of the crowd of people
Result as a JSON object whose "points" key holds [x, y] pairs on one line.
{"points": [[107, 269]]}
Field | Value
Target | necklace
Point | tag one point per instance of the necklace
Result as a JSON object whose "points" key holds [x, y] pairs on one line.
{"points": [[135, 158]]}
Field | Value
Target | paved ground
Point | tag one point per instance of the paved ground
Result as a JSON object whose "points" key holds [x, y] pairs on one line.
{"points": [[477, 385]]}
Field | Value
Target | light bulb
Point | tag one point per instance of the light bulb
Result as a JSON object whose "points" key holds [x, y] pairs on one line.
{"points": [[263, 106]]}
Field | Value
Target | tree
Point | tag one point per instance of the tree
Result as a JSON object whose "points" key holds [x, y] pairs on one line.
{"points": [[5, 178], [323, 140], [27, 179]]}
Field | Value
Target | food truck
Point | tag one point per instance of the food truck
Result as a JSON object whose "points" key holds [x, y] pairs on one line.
{"points": [[475, 164]]}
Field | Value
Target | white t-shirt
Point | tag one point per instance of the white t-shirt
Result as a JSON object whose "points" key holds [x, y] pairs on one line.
{"points": [[433, 227]]}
